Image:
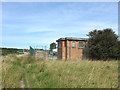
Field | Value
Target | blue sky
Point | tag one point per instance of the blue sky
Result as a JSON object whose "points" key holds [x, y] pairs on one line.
{"points": [[41, 23]]}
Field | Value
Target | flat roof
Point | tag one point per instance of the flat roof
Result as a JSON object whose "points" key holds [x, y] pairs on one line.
{"points": [[72, 39]]}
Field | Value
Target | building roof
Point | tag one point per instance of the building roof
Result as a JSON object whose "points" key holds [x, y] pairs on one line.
{"points": [[72, 39]]}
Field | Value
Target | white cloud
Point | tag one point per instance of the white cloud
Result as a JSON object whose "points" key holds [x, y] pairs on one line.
{"points": [[66, 19]]}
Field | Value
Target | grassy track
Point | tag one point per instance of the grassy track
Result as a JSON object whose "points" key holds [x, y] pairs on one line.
{"points": [[59, 74]]}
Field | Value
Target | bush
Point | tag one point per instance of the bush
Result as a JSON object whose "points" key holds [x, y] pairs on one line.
{"points": [[103, 43]]}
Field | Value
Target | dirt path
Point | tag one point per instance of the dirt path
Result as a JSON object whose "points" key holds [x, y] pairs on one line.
{"points": [[22, 84], [28, 85], [26, 78]]}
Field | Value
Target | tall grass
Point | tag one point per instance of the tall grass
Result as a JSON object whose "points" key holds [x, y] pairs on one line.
{"points": [[59, 74], [11, 71]]}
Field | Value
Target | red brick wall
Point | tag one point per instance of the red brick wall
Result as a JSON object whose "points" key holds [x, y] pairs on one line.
{"points": [[59, 56], [63, 52], [67, 49], [76, 53]]}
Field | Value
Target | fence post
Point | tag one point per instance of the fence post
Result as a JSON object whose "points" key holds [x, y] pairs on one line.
{"points": [[101, 58]]}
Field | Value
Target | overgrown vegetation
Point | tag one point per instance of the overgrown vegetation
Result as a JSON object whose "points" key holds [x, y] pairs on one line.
{"points": [[103, 44], [58, 74]]}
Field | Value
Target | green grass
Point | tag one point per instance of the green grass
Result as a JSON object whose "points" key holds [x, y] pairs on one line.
{"points": [[11, 72], [59, 74]]}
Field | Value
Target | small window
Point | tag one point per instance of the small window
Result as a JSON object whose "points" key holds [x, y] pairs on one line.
{"points": [[73, 44], [81, 45]]}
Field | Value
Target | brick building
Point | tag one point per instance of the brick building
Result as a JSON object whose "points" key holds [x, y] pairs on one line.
{"points": [[71, 48]]}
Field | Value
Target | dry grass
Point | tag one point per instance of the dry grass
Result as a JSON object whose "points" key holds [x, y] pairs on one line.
{"points": [[60, 74]]}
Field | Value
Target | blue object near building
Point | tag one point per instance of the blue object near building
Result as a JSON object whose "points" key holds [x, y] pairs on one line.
{"points": [[32, 51]]}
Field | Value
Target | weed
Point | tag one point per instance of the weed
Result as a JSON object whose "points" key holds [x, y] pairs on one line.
{"points": [[59, 74]]}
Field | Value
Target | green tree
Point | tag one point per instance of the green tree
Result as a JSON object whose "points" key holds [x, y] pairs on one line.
{"points": [[119, 50], [102, 43], [52, 46]]}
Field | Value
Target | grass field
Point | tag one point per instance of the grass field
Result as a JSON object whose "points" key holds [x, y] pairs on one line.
{"points": [[31, 72]]}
